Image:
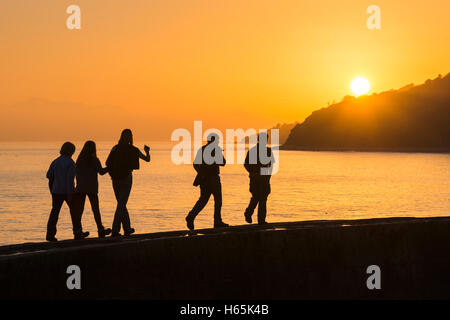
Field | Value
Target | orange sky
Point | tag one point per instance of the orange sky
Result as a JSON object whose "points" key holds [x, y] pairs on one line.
{"points": [[158, 65]]}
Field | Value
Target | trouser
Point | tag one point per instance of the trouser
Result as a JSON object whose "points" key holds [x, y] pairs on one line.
{"points": [[260, 190], [79, 202], [210, 186], [122, 189], [57, 202]]}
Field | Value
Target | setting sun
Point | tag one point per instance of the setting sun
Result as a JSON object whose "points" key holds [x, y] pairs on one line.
{"points": [[360, 86]]}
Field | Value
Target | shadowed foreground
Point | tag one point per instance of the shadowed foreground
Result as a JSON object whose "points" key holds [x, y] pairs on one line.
{"points": [[296, 260]]}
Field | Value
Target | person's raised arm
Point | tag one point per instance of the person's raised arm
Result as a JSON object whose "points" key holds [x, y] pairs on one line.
{"points": [[145, 157]]}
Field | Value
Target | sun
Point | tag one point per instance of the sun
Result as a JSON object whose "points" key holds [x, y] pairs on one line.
{"points": [[360, 86]]}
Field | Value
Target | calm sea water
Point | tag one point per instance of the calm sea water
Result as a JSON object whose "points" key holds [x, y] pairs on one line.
{"points": [[308, 186]]}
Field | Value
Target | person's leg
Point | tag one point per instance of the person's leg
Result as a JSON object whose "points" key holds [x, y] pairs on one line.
{"points": [[80, 201], [57, 202], [126, 190], [253, 200], [95, 205], [251, 206], [74, 202], [262, 209], [117, 218], [217, 194], [205, 194], [77, 205], [122, 189], [126, 223], [264, 191]]}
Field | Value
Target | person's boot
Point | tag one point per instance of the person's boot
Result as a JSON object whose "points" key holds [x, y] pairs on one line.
{"points": [[248, 217], [262, 222], [81, 235], [51, 239], [190, 222], [115, 234], [129, 232], [104, 232], [220, 224]]}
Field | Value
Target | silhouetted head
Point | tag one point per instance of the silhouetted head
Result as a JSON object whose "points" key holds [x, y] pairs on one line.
{"points": [[67, 149], [212, 137], [88, 153], [126, 137]]}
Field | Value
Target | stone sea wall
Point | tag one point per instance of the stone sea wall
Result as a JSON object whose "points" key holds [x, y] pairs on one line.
{"points": [[298, 260]]}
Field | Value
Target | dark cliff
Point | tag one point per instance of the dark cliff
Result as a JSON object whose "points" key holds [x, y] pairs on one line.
{"points": [[413, 118]]}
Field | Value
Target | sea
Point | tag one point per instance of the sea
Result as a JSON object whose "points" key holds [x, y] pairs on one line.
{"points": [[308, 186]]}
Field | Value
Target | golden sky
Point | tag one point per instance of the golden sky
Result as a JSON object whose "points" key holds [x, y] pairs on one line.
{"points": [[157, 65]]}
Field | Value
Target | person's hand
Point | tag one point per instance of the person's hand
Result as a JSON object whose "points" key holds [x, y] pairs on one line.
{"points": [[146, 149]]}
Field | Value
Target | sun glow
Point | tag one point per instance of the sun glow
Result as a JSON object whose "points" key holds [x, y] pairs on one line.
{"points": [[360, 86]]}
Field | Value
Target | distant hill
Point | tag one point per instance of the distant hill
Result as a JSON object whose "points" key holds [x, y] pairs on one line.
{"points": [[413, 118], [285, 130]]}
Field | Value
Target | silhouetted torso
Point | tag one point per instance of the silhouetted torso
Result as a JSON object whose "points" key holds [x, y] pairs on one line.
{"points": [[204, 170], [62, 175], [254, 169], [122, 160], [87, 176], [259, 173]]}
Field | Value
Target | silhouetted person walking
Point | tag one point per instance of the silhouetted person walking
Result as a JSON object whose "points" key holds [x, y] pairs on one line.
{"points": [[61, 175], [87, 168], [258, 163], [207, 164], [123, 159]]}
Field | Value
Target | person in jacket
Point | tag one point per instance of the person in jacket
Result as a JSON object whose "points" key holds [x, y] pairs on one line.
{"points": [[258, 163], [207, 166], [61, 175]]}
